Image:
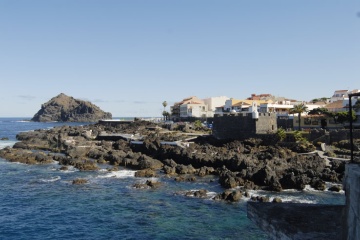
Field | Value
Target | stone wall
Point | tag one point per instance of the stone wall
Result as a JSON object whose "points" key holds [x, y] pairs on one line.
{"points": [[352, 189], [343, 134], [285, 123], [329, 137], [242, 125]]}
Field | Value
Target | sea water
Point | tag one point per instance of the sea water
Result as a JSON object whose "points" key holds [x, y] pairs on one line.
{"points": [[40, 202]]}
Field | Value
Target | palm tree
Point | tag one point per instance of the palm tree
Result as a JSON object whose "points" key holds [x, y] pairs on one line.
{"points": [[164, 104], [300, 108]]}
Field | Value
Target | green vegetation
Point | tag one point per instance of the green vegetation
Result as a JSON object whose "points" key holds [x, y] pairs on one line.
{"points": [[339, 117], [323, 99], [198, 125], [298, 136], [165, 113], [281, 134]]}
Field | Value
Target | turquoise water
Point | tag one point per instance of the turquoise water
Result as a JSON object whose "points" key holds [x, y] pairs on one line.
{"points": [[40, 202]]}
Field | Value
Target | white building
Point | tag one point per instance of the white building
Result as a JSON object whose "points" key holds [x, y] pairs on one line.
{"points": [[198, 110], [215, 102], [339, 95]]}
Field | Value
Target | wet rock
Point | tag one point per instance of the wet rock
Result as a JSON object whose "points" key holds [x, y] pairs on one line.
{"points": [[25, 156], [202, 193], [260, 198], [79, 181], [185, 169], [318, 184], [85, 165], [335, 188], [170, 163], [185, 179], [147, 184], [63, 168], [229, 195], [147, 162], [203, 171], [147, 173], [114, 168], [169, 170]]}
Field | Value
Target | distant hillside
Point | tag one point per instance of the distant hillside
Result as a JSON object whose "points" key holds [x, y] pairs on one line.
{"points": [[63, 108]]}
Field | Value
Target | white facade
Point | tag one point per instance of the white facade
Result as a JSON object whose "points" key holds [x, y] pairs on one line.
{"points": [[280, 109], [215, 102], [229, 104], [193, 110], [339, 95]]}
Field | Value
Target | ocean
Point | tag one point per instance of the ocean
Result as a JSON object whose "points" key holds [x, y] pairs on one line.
{"points": [[40, 202]]}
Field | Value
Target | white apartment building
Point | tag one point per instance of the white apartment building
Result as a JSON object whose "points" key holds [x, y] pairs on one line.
{"points": [[215, 102], [198, 110]]}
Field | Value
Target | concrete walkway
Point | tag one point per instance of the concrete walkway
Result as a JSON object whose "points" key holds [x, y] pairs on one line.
{"points": [[321, 154]]}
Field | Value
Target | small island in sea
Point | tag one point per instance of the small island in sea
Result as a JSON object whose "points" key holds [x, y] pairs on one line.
{"points": [[63, 108]]}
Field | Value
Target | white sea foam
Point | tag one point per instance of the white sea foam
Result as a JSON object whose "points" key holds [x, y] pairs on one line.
{"points": [[52, 179], [118, 174], [70, 169], [289, 195], [211, 194], [295, 199], [6, 143]]}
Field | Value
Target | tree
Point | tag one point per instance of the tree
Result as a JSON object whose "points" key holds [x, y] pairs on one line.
{"points": [[164, 112], [315, 100], [319, 111], [342, 117], [166, 115], [164, 104], [323, 99], [299, 109]]}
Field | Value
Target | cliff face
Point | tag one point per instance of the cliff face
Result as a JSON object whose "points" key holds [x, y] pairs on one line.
{"points": [[63, 108]]}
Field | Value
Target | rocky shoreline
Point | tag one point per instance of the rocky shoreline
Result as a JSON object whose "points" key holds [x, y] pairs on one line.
{"points": [[239, 166]]}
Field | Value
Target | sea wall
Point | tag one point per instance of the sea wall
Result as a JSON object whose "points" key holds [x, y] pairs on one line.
{"points": [[352, 189], [297, 220]]}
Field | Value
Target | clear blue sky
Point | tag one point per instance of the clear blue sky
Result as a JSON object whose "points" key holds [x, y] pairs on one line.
{"points": [[128, 56]]}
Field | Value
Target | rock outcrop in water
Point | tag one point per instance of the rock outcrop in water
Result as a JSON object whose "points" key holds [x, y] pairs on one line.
{"points": [[63, 108], [246, 165]]}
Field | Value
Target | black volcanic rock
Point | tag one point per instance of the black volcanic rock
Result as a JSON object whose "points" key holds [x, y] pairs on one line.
{"points": [[63, 108]]}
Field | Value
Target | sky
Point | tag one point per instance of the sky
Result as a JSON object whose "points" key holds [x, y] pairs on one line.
{"points": [[128, 56]]}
